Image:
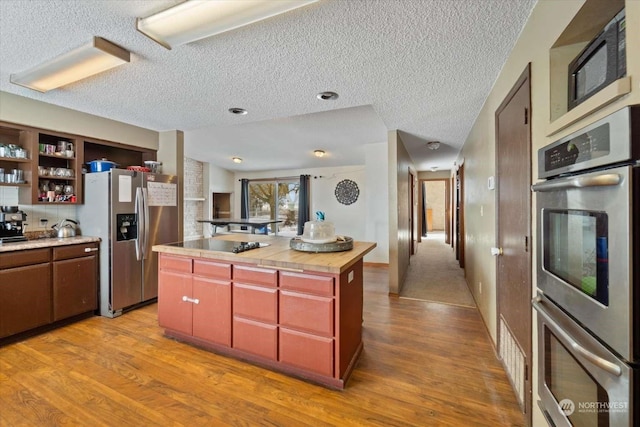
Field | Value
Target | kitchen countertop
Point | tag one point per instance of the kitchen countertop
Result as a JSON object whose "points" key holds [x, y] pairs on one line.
{"points": [[46, 243], [278, 254]]}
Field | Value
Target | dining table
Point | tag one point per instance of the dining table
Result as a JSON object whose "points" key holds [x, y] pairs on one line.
{"points": [[256, 225]]}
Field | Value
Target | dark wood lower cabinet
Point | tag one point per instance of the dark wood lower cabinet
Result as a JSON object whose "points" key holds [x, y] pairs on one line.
{"points": [[75, 287], [41, 286], [25, 298]]}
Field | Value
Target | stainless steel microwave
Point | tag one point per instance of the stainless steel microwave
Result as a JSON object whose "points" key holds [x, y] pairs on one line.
{"points": [[603, 61]]}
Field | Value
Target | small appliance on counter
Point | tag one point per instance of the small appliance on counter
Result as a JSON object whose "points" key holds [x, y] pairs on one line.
{"points": [[11, 224], [320, 236]]}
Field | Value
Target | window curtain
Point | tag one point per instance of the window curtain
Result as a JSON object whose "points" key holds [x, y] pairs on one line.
{"points": [[244, 200], [303, 203]]}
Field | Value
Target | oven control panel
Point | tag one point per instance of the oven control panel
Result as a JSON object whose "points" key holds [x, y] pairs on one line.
{"points": [[606, 142], [582, 148]]}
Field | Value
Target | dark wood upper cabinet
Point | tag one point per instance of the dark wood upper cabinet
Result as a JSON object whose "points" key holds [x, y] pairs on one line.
{"points": [[122, 154]]}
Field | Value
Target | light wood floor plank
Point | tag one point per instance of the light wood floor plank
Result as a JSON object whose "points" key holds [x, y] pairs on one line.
{"points": [[423, 364]]}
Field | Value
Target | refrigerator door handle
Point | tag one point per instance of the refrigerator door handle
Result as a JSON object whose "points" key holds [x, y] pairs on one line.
{"points": [[145, 206], [140, 216]]}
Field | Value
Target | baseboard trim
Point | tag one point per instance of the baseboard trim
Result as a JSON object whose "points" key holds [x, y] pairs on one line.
{"points": [[376, 264]]}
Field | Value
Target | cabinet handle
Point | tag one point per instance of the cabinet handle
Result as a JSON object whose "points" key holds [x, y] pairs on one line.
{"points": [[191, 300], [91, 249]]}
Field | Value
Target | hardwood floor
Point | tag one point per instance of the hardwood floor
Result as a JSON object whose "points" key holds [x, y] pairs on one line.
{"points": [[423, 364]]}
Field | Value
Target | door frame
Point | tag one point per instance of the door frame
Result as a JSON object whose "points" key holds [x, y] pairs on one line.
{"points": [[447, 207]]}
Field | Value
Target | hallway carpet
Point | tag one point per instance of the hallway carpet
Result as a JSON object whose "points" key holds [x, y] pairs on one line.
{"points": [[434, 274]]}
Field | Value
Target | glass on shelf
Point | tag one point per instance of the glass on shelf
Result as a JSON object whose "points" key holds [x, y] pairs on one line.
{"points": [[13, 151]]}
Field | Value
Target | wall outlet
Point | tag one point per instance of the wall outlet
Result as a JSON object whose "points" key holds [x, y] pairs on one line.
{"points": [[350, 276], [481, 210], [491, 183]]}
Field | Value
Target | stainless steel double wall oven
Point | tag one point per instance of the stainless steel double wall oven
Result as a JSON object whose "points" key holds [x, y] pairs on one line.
{"points": [[588, 274]]}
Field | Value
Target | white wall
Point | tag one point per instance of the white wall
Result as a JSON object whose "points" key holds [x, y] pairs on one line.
{"points": [[377, 201], [350, 220], [220, 180]]}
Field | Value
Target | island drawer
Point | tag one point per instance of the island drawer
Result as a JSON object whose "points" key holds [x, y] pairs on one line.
{"points": [[308, 313], [74, 251], [26, 257], [306, 351], [175, 263], [260, 276], [212, 269], [255, 337], [255, 302], [308, 283]]}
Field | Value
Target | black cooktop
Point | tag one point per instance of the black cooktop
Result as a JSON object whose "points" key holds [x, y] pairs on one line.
{"points": [[219, 245]]}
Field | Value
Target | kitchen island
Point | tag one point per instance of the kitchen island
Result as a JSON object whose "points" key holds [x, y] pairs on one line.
{"points": [[294, 312]]}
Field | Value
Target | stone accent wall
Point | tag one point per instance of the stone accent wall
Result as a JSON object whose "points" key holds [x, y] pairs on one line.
{"points": [[193, 190]]}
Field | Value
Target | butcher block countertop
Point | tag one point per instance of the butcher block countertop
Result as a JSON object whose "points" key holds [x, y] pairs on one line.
{"points": [[277, 255], [46, 243]]}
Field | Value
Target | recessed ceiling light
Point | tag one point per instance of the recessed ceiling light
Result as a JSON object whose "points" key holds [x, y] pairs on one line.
{"points": [[236, 159], [327, 96], [238, 111], [319, 153], [433, 145]]}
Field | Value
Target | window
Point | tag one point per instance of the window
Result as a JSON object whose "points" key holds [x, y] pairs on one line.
{"points": [[277, 199]]}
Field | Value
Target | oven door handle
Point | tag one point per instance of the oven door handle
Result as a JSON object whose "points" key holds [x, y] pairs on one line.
{"points": [[604, 180], [598, 361]]}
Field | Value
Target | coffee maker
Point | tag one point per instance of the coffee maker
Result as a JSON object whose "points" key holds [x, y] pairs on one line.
{"points": [[11, 228]]}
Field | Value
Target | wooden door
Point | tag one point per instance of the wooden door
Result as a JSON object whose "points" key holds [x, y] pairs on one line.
{"points": [[460, 216], [513, 167], [412, 209]]}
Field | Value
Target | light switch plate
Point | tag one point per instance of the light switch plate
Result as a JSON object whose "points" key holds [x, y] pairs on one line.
{"points": [[491, 183]]}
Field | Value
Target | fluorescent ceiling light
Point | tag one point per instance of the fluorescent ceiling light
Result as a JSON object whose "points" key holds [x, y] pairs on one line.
{"points": [[195, 19], [93, 58]]}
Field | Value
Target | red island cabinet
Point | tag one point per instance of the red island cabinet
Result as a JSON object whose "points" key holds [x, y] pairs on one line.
{"points": [[302, 322], [255, 311], [307, 322], [194, 298]]}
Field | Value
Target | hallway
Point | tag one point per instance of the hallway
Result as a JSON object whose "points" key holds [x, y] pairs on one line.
{"points": [[434, 274]]}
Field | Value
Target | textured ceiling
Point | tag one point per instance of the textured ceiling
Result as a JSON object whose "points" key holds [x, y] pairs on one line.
{"points": [[423, 67]]}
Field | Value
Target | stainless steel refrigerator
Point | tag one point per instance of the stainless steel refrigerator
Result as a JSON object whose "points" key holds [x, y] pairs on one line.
{"points": [[130, 211]]}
